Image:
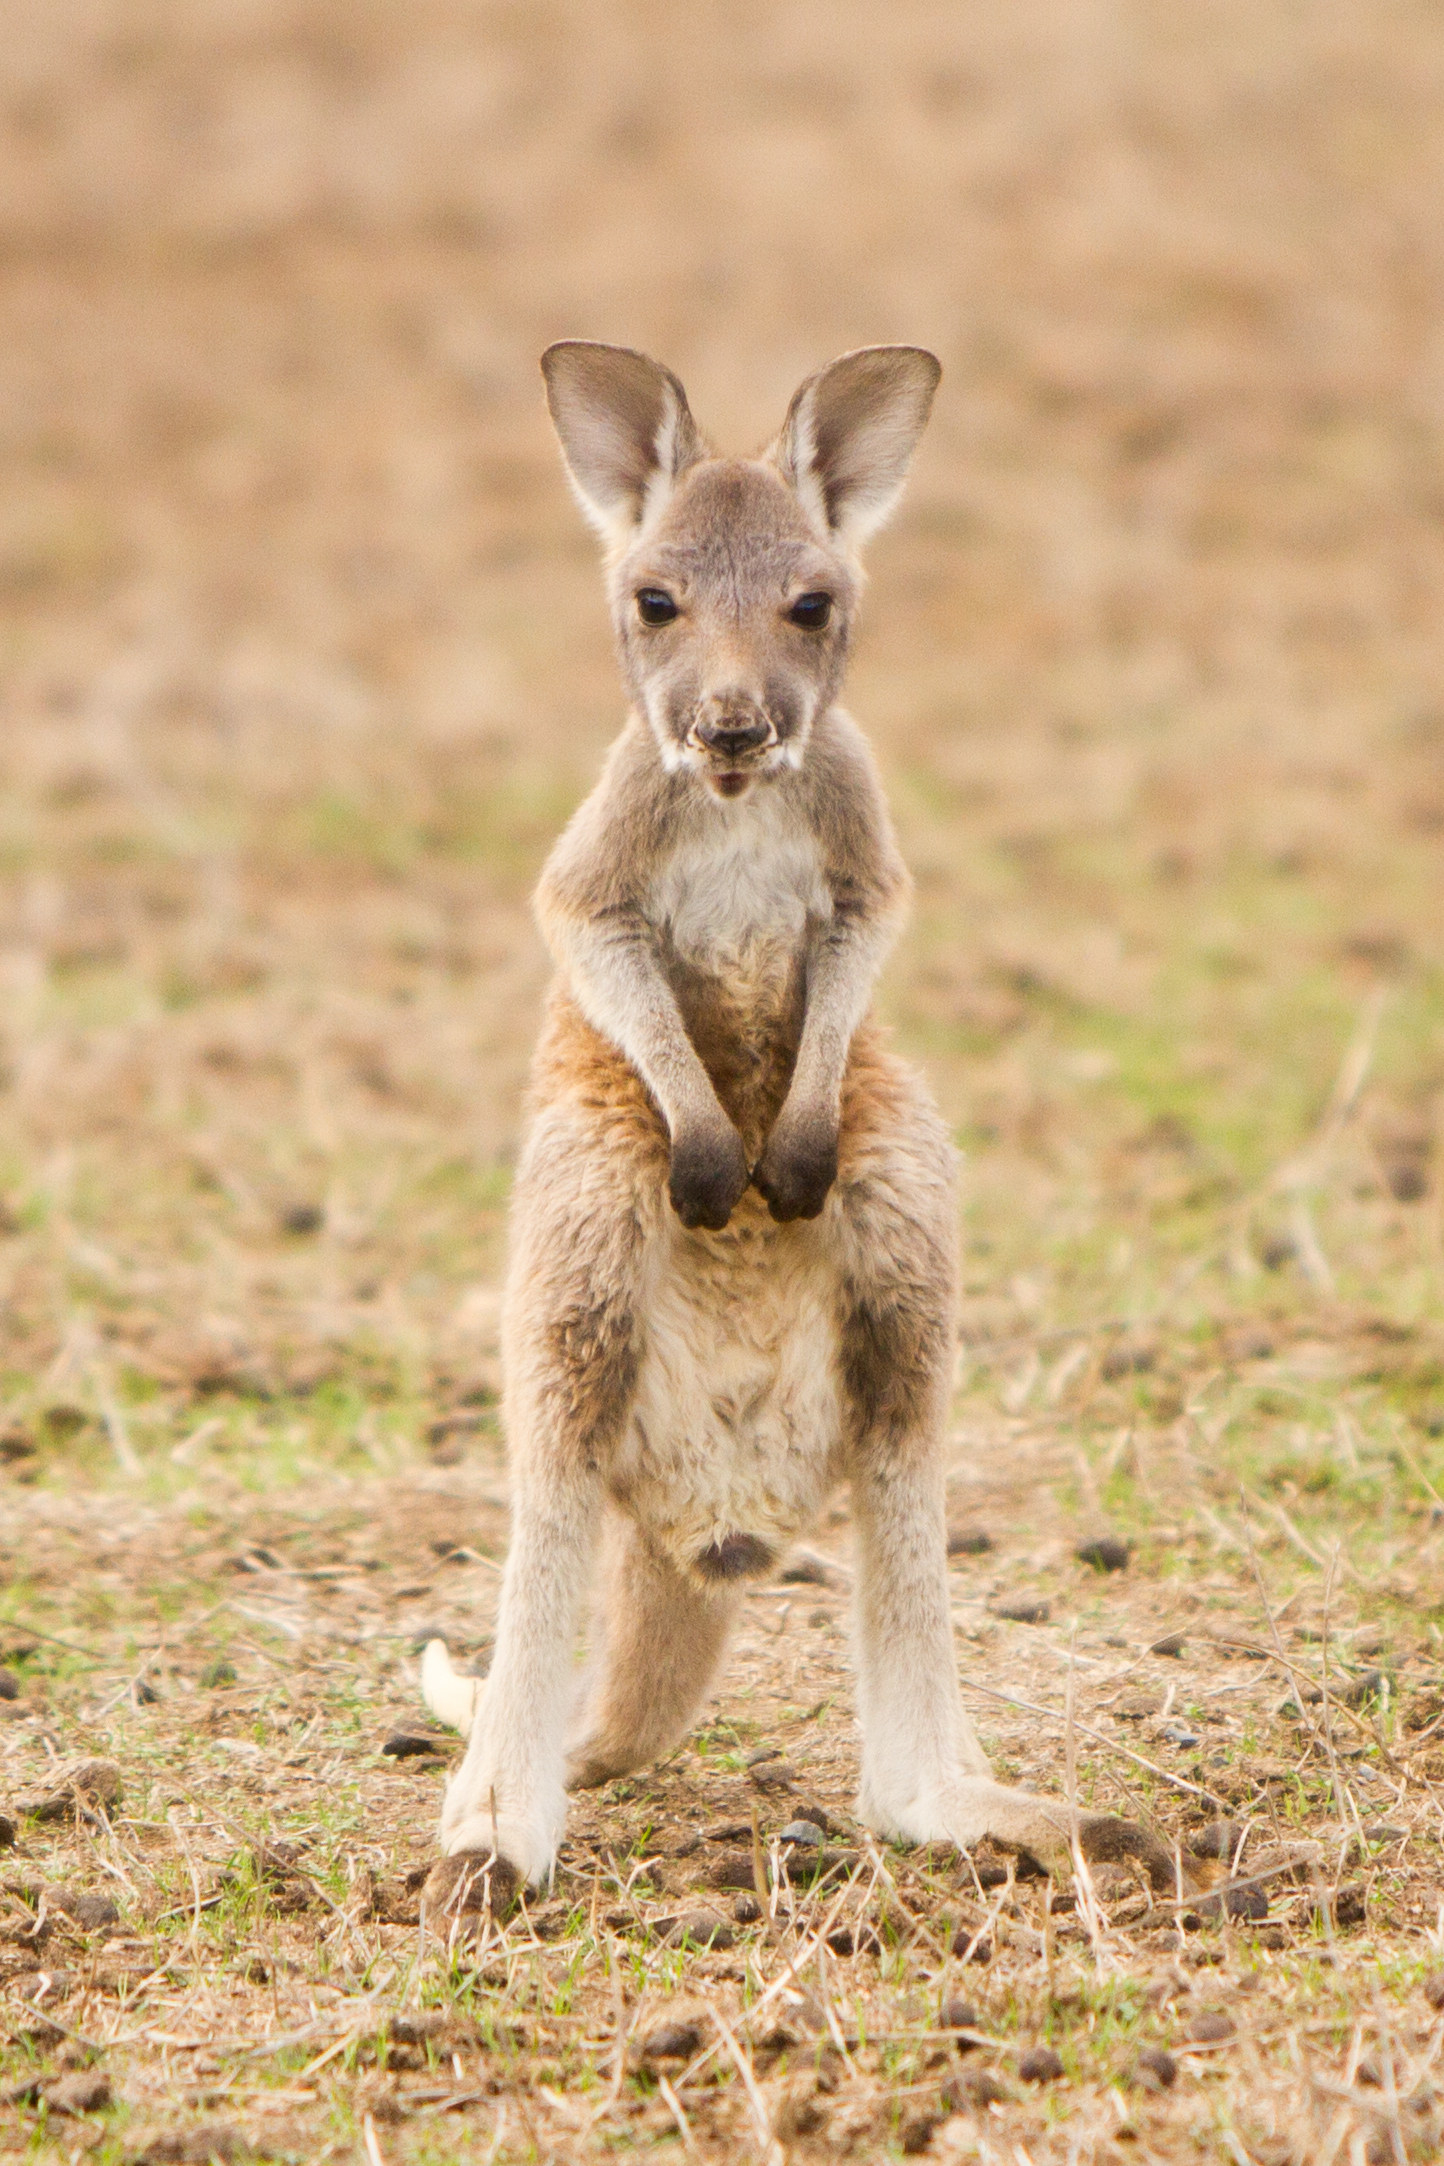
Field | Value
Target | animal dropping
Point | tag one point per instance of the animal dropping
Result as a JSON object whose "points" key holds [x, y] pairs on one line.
{"points": [[733, 1265]]}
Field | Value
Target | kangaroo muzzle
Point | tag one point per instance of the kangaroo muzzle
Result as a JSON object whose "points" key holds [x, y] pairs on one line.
{"points": [[733, 734]]}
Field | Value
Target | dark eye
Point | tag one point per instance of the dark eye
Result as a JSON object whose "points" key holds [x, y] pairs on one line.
{"points": [[811, 611], [655, 607]]}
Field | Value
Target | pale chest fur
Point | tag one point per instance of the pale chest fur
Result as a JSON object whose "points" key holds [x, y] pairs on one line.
{"points": [[737, 895]]}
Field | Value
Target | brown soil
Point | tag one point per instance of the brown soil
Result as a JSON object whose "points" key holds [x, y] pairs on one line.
{"points": [[304, 663]]}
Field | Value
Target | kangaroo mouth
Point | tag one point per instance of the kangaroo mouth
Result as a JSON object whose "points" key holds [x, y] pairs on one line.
{"points": [[731, 773], [732, 781]]}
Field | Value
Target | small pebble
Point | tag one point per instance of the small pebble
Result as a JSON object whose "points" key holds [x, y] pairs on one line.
{"points": [[87, 1783], [411, 1745], [417, 2028], [802, 1831], [1023, 1609], [300, 1218], [1172, 1644], [1219, 1839], [917, 2132], [963, 1944], [773, 1775], [1105, 1552], [1229, 1902], [1178, 1733], [1155, 2070], [843, 1940], [1210, 2028], [1040, 2064], [733, 1869], [92, 1913], [702, 1928], [969, 1542], [959, 2015], [985, 2090], [806, 1570], [86, 2091], [672, 2042], [1351, 1905], [746, 1909]]}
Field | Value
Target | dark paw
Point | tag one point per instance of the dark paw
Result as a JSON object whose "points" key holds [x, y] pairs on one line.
{"points": [[465, 1888], [1105, 1840], [797, 1169], [708, 1175]]}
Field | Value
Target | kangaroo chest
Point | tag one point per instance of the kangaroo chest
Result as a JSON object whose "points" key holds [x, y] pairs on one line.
{"points": [[735, 898], [734, 906]]}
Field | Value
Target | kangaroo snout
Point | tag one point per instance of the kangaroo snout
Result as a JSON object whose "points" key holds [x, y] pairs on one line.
{"points": [[732, 738], [731, 729]]}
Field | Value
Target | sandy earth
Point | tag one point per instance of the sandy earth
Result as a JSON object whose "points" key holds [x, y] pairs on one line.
{"points": [[303, 662]]}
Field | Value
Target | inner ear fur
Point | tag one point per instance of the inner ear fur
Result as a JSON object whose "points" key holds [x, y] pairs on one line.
{"points": [[850, 432], [625, 429]]}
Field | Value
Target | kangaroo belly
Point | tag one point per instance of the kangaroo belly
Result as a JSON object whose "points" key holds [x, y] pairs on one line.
{"points": [[735, 1436]]}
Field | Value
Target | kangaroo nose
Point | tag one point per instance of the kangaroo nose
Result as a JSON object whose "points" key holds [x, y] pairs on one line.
{"points": [[733, 734]]}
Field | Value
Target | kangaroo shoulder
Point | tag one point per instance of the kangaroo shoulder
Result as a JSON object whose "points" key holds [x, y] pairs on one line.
{"points": [[849, 811], [602, 859]]}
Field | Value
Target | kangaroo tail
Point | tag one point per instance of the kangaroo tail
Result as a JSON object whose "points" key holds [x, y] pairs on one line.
{"points": [[451, 1697]]}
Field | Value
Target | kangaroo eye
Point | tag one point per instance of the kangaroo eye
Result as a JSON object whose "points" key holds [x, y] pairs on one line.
{"points": [[811, 611], [655, 607]]}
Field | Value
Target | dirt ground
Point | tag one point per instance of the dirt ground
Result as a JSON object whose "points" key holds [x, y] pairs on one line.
{"points": [[304, 662]]}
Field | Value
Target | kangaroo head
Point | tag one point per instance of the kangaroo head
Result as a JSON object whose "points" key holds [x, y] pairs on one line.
{"points": [[734, 582]]}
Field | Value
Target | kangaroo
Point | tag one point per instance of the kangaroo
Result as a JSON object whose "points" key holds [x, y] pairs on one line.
{"points": [[732, 1278]]}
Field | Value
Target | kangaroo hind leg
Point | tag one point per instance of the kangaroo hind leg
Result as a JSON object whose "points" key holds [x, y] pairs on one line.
{"points": [[661, 1638], [925, 1777]]}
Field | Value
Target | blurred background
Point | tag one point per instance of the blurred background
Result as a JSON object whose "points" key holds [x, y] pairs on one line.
{"points": [[305, 660]]}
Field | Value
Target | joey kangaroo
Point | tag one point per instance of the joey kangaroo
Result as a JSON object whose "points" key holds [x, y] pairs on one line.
{"points": [[732, 1274]]}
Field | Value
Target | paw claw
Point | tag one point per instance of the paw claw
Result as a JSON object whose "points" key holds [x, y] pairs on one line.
{"points": [[707, 1176], [796, 1171]]}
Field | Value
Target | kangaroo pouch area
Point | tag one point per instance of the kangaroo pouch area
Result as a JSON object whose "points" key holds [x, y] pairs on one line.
{"points": [[735, 1435]]}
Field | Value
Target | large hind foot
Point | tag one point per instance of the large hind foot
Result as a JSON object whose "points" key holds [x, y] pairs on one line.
{"points": [[976, 1809]]}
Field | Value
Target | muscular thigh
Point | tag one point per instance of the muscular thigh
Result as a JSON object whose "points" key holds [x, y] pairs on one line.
{"points": [[589, 1194]]}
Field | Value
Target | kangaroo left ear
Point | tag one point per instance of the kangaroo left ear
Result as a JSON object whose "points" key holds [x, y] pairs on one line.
{"points": [[625, 428], [849, 436]]}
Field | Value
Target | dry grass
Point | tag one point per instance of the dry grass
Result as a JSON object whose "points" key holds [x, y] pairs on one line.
{"points": [[304, 663]]}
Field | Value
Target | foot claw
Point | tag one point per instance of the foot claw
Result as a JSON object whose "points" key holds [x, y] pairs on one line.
{"points": [[466, 1887], [1106, 1840]]}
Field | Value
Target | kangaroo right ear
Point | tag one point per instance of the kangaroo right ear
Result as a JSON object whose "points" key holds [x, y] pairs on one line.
{"points": [[849, 435], [625, 427]]}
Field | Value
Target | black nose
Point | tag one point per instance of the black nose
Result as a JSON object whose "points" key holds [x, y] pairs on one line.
{"points": [[731, 737]]}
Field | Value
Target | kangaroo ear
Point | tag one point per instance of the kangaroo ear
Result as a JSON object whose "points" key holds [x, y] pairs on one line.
{"points": [[625, 428], [850, 432]]}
